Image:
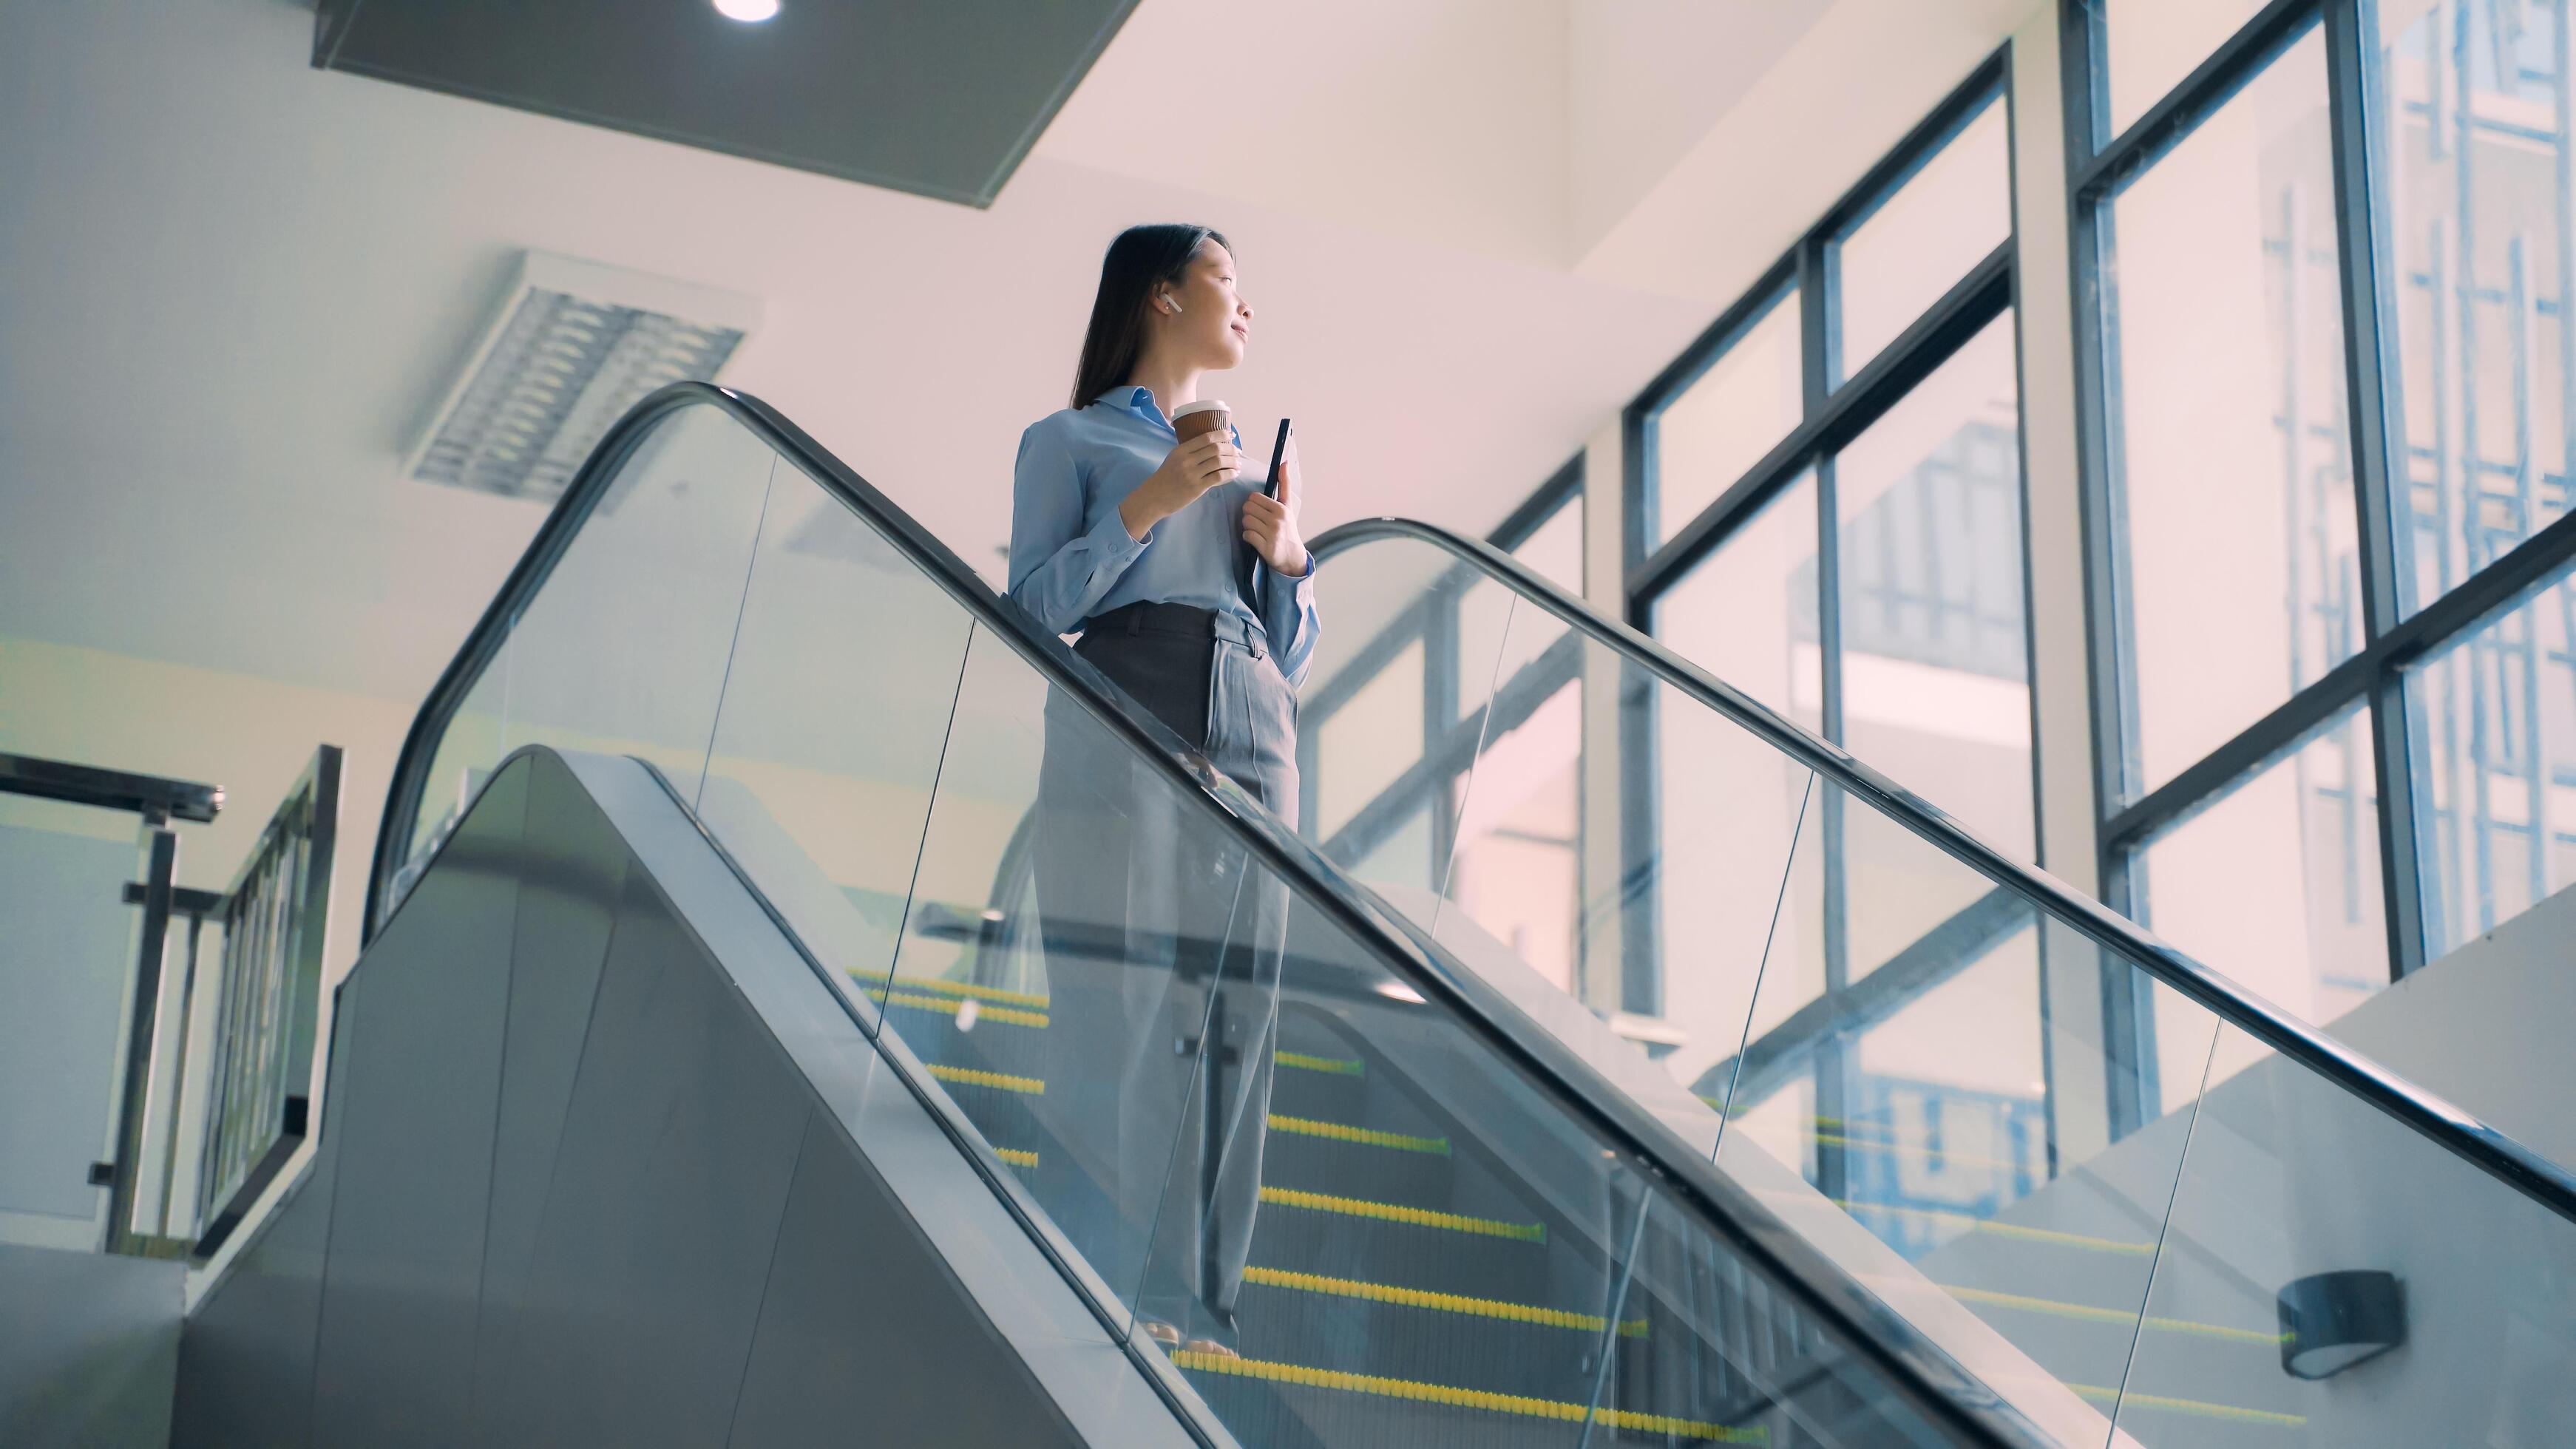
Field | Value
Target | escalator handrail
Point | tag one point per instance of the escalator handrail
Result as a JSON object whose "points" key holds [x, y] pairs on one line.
{"points": [[2452, 1128], [1916, 1367]]}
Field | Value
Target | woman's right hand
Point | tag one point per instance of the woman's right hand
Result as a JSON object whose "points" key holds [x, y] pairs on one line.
{"points": [[1207, 461]]}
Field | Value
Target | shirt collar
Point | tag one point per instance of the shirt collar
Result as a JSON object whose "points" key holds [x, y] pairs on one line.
{"points": [[1129, 398]]}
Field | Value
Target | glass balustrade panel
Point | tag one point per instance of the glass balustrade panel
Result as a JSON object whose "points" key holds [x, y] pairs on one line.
{"points": [[624, 649], [2330, 1276], [1963, 1127], [836, 708]]}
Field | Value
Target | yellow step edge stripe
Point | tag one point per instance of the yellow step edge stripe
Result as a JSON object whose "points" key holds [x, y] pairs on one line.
{"points": [[876, 981], [1011, 1014], [1443, 1302], [2003, 1230], [1306, 1062], [1016, 1156], [2091, 1314], [974, 1077], [1365, 1136], [2193, 1407], [1359, 1207], [1422, 1393]]}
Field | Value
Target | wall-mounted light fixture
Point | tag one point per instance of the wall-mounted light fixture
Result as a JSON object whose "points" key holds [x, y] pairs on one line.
{"points": [[2331, 1321], [750, 12]]}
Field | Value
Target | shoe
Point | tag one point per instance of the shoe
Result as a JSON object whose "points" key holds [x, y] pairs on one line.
{"points": [[1209, 1347], [1161, 1332]]}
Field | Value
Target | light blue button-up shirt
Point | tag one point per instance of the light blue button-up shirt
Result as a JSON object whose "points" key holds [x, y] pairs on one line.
{"points": [[1072, 558]]}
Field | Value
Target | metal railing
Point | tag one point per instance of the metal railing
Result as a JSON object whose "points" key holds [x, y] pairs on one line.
{"points": [[216, 1144], [267, 984]]}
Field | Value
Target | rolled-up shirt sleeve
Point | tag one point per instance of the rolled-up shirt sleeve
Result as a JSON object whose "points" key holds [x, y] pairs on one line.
{"points": [[1288, 617], [1059, 568], [1288, 613]]}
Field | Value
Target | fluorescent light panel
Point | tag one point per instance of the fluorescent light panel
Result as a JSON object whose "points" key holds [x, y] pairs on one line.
{"points": [[572, 346]]}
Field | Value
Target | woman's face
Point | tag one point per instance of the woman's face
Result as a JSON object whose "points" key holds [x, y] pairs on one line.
{"points": [[1214, 326]]}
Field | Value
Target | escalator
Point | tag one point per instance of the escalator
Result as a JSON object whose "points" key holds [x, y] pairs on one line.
{"points": [[792, 738]]}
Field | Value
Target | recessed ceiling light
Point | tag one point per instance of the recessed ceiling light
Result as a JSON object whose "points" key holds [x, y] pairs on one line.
{"points": [[747, 10]]}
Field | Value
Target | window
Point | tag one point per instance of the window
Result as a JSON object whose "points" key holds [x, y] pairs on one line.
{"points": [[2333, 468], [2492, 718], [1722, 422], [2233, 471], [2152, 44], [1934, 652], [1897, 260], [1849, 554], [1872, 588], [2468, 106]]}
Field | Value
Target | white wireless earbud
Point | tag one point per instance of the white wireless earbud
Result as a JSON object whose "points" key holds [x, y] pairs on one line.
{"points": [[1171, 304]]}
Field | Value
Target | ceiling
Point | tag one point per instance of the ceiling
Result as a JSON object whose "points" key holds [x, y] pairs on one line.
{"points": [[232, 286], [938, 99]]}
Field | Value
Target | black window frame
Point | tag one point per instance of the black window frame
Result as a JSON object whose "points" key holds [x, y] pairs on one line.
{"points": [[2373, 679], [1835, 413]]}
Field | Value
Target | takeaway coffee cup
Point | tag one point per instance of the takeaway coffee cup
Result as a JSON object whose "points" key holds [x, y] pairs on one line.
{"points": [[1191, 419]]}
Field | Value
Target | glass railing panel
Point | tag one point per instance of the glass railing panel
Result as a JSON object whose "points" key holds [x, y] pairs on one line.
{"points": [[1367, 710], [836, 708], [466, 755], [67, 961], [1383, 1227], [1513, 873], [1396, 705], [2325, 1266], [1701, 1353], [1590, 828], [624, 650], [1736, 886], [1054, 1017], [1974, 1130]]}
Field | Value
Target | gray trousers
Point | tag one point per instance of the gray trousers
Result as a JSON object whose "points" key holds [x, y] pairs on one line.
{"points": [[1162, 953]]}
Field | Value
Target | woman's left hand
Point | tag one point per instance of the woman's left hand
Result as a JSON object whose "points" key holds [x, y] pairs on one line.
{"points": [[1270, 524]]}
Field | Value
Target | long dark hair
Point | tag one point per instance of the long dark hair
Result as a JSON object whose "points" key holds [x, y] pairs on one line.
{"points": [[1141, 259]]}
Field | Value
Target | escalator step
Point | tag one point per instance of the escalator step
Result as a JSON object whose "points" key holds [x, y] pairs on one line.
{"points": [[969, 1012], [1440, 1302], [1309, 1062], [1034, 1000], [1417, 1391], [1398, 1213], [1359, 1136], [977, 1077]]}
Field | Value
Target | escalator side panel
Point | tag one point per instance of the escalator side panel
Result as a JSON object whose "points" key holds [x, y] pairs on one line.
{"points": [[574, 878], [662, 1208], [396, 1358], [1052, 1334], [687, 1243]]}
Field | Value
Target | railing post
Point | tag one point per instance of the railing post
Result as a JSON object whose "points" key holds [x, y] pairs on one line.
{"points": [[125, 1169]]}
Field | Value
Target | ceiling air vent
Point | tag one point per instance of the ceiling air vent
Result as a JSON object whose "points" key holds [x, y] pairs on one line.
{"points": [[572, 346]]}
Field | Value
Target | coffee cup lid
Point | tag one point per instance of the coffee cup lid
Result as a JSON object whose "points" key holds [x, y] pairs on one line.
{"points": [[1201, 406]]}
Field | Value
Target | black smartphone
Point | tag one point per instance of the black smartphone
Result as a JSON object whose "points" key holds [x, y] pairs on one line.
{"points": [[1278, 451]]}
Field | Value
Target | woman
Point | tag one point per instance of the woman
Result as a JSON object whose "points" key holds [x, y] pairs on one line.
{"points": [[1193, 592]]}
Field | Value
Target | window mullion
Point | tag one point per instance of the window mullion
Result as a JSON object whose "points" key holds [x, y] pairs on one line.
{"points": [[1816, 311], [2378, 470]]}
